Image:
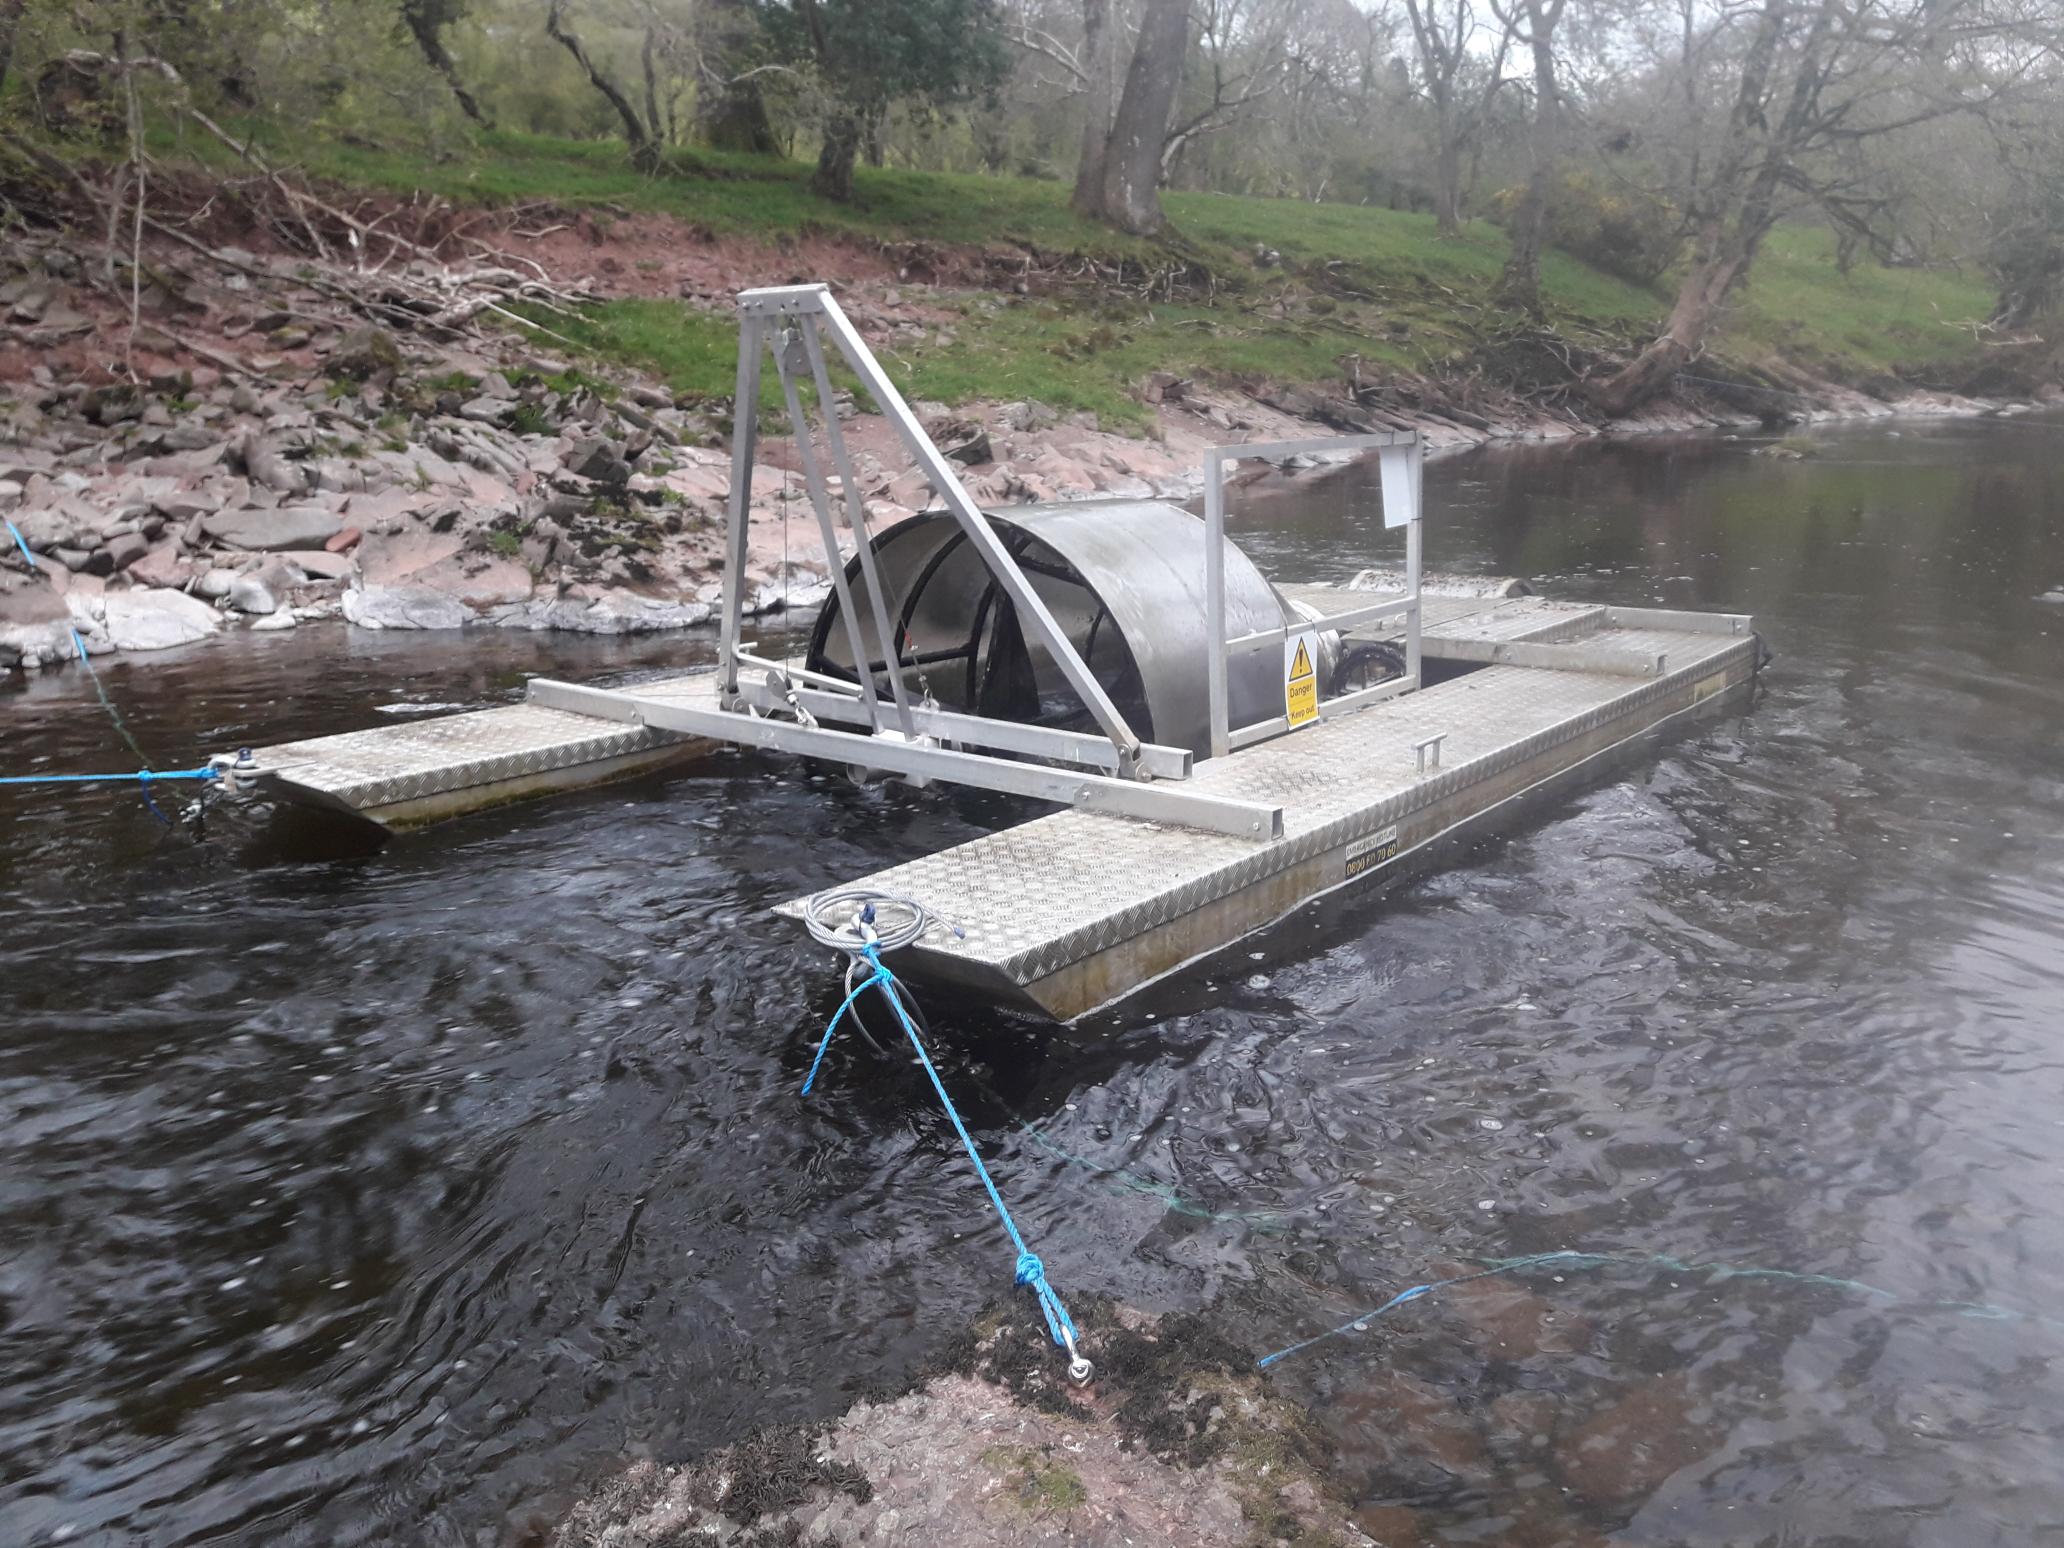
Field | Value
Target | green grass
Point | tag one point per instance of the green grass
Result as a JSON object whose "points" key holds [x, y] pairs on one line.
{"points": [[1865, 323], [1352, 281]]}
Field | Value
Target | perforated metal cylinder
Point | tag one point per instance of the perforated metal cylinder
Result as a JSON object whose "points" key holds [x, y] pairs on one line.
{"points": [[1123, 578]]}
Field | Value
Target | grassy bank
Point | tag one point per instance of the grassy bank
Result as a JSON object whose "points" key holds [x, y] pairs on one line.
{"points": [[1375, 284]]}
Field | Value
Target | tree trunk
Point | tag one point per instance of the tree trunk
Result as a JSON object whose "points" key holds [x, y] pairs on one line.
{"points": [[10, 23], [1130, 198], [1519, 286], [644, 150], [833, 178], [730, 112], [649, 65], [423, 26], [1722, 258], [1099, 101], [732, 115], [1447, 178]]}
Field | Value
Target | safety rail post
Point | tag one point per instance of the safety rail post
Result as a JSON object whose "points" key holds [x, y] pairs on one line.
{"points": [[1218, 663], [1403, 471], [1400, 468], [745, 435]]}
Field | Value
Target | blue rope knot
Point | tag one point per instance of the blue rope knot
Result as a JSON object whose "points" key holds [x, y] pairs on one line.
{"points": [[1030, 1271]]}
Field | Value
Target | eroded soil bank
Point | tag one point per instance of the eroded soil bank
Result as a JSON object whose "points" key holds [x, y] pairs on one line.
{"points": [[239, 447]]}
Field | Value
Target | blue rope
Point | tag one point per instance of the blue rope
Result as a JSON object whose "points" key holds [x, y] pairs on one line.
{"points": [[1030, 1271], [22, 543], [145, 776], [1653, 1260]]}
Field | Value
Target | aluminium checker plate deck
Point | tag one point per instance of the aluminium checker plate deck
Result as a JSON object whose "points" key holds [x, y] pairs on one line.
{"points": [[412, 772], [419, 771], [1067, 913]]}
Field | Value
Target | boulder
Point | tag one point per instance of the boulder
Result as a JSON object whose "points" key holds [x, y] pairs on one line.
{"points": [[10, 494], [1029, 414], [486, 411], [268, 465], [478, 580], [249, 594], [599, 459], [1165, 387], [363, 353], [61, 523], [293, 526], [283, 619], [320, 563], [614, 613], [386, 560], [965, 442], [35, 626], [343, 542], [152, 620], [162, 565], [188, 437], [125, 550], [403, 607]]}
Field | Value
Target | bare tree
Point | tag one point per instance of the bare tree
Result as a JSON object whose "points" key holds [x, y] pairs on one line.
{"points": [[643, 139], [1241, 66], [1520, 283], [1448, 36], [1810, 80], [1097, 69], [426, 21]]}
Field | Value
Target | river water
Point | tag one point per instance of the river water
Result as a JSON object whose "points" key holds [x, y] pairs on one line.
{"points": [[392, 1197]]}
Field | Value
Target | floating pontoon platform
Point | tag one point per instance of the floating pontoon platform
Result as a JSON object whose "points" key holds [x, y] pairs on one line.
{"points": [[1069, 912], [1227, 748]]}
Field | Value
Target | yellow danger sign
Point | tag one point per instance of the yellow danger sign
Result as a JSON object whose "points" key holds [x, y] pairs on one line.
{"points": [[1300, 679]]}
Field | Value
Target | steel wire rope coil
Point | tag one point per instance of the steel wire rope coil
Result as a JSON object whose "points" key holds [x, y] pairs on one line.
{"points": [[883, 919]]}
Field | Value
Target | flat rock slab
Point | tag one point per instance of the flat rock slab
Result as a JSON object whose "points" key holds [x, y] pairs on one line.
{"points": [[290, 527], [146, 620], [320, 563], [404, 607]]}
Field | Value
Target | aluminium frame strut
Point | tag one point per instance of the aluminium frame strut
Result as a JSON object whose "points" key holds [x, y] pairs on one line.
{"points": [[1108, 771], [809, 309]]}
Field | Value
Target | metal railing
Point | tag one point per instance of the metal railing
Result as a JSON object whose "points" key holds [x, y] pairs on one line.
{"points": [[1400, 466]]}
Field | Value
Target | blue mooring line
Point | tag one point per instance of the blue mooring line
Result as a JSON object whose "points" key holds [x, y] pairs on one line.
{"points": [[1655, 1260], [21, 543], [1030, 1271], [143, 776]]}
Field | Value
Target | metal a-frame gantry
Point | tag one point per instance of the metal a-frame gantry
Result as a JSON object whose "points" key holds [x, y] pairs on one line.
{"points": [[785, 706]]}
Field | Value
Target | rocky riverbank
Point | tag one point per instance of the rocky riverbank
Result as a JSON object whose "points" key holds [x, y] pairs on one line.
{"points": [[297, 466], [1177, 1440]]}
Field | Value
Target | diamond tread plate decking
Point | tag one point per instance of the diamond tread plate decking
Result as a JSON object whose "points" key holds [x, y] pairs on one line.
{"points": [[1050, 892]]}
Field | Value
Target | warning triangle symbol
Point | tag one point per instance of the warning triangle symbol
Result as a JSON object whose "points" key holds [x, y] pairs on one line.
{"points": [[1300, 664]]}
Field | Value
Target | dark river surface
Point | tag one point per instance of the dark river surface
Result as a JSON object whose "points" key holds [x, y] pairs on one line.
{"points": [[390, 1198]]}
